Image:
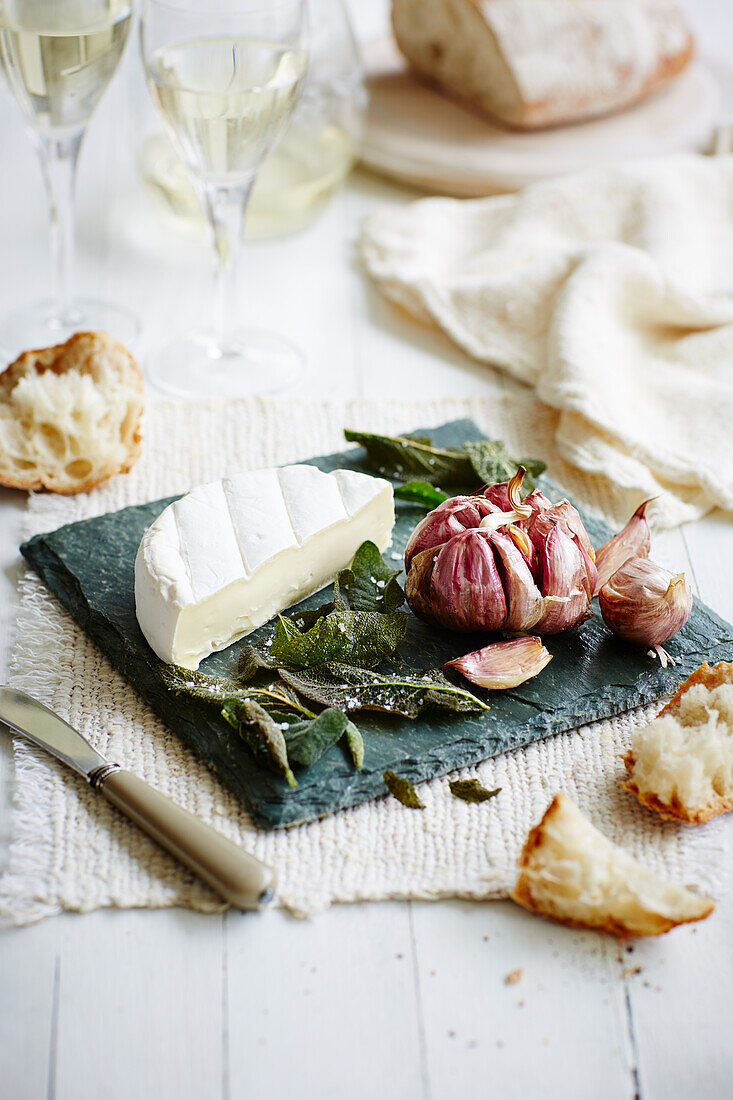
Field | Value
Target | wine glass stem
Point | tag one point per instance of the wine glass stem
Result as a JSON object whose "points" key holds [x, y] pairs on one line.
{"points": [[59, 158], [226, 210]]}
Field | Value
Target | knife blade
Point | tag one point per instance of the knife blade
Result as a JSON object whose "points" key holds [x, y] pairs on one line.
{"points": [[233, 873]]}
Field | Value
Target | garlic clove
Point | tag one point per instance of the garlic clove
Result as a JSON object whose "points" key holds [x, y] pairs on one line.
{"points": [[452, 517], [523, 598], [503, 664], [522, 541], [590, 573], [508, 501], [466, 590], [645, 603], [514, 494], [634, 541], [417, 583], [537, 501], [498, 496], [564, 581], [507, 495], [571, 516], [568, 518]]}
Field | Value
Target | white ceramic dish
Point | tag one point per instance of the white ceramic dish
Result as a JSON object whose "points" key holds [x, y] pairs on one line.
{"points": [[419, 136]]}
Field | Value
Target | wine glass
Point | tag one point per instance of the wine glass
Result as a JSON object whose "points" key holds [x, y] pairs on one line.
{"points": [[310, 160], [225, 77], [59, 56]]}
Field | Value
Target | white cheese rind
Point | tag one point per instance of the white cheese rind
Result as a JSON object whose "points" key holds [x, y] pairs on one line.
{"points": [[207, 540], [230, 555], [259, 515]]}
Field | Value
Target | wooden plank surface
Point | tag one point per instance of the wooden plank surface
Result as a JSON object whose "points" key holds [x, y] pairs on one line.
{"points": [[148, 989], [506, 998], [391, 998], [327, 1008]]}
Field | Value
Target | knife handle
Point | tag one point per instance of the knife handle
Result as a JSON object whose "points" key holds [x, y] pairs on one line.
{"points": [[230, 871]]}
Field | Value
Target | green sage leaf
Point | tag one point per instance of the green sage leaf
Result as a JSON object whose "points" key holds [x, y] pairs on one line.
{"points": [[362, 638], [470, 790], [493, 463], [266, 740], [369, 584], [307, 741], [420, 492], [355, 744], [405, 457], [403, 790], [352, 689], [217, 691]]}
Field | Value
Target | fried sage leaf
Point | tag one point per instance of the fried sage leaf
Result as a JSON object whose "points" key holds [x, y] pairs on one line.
{"points": [[369, 584], [420, 492], [493, 463], [362, 638], [218, 691], [404, 457], [307, 741], [266, 740], [403, 790], [351, 689], [355, 744], [359, 626], [470, 790]]}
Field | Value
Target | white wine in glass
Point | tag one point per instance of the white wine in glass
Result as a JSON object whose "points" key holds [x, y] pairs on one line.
{"points": [[225, 79], [59, 58]]}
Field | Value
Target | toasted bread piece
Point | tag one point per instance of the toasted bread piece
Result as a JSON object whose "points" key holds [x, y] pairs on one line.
{"points": [[681, 764], [573, 874], [70, 415]]}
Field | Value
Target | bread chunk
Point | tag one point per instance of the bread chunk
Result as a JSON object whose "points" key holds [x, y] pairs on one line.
{"points": [[571, 873], [681, 764], [70, 415], [534, 63]]}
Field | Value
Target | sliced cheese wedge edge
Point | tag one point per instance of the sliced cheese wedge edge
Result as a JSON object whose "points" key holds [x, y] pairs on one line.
{"points": [[228, 556]]}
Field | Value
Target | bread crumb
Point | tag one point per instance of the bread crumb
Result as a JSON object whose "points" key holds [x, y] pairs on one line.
{"points": [[514, 976]]}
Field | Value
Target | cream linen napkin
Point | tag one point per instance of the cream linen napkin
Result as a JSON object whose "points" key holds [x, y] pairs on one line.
{"points": [[71, 850], [611, 294]]}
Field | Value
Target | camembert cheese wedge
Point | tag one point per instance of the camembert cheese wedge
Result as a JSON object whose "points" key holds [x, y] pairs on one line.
{"points": [[230, 555]]}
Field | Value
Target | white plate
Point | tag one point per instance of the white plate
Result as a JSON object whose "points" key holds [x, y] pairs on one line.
{"points": [[417, 135]]}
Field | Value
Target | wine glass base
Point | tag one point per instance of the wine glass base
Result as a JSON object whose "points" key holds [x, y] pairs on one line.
{"points": [[252, 362], [38, 326]]}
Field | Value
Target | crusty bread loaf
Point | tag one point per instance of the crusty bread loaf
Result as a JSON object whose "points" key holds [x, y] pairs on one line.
{"points": [[681, 764], [534, 63], [70, 415], [573, 874]]}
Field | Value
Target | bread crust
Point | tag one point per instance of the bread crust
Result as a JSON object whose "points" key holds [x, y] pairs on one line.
{"points": [[710, 678], [522, 893], [76, 354], [539, 114]]}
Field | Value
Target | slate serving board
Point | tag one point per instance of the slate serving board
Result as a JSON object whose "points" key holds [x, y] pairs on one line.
{"points": [[89, 566]]}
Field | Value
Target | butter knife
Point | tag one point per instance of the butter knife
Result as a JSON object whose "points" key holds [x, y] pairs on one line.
{"points": [[234, 874]]}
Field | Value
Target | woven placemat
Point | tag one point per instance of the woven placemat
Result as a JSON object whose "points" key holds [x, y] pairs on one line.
{"points": [[70, 850]]}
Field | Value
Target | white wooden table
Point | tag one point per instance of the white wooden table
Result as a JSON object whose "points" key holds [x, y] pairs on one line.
{"points": [[388, 1000]]}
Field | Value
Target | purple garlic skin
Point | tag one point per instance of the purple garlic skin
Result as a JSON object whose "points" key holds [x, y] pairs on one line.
{"points": [[450, 518], [503, 664], [493, 562], [644, 603], [634, 541]]}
